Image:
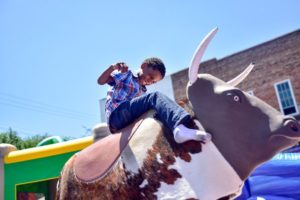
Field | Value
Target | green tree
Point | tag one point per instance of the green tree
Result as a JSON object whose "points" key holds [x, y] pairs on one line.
{"points": [[11, 137]]}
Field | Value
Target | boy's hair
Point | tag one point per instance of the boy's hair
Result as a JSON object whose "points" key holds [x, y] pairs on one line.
{"points": [[156, 64]]}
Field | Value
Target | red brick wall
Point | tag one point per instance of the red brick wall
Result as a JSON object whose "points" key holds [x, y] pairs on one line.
{"points": [[276, 60]]}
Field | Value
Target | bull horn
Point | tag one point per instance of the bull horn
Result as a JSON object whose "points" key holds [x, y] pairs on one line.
{"points": [[235, 81], [196, 60]]}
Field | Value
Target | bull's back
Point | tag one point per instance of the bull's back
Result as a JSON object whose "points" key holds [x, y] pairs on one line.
{"points": [[70, 187], [123, 179]]}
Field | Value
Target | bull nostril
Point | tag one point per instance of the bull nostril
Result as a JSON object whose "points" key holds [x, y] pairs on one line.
{"points": [[294, 127], [292, 124]]}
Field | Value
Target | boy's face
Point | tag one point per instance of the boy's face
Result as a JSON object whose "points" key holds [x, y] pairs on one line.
{"points": [[148, 76]]}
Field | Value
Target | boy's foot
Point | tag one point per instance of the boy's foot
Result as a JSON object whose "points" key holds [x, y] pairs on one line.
{"points": [[183, 134]]}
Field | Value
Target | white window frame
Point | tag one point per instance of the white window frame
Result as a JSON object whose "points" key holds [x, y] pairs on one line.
{"points": [[292, 93], [102, 110]]}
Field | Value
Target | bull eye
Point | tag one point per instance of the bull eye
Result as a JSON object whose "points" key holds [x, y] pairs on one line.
{"points": [[236, 98], [233, 96]]}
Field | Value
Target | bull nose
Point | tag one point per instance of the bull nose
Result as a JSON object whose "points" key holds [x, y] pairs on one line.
{"points": [[292, 124]]}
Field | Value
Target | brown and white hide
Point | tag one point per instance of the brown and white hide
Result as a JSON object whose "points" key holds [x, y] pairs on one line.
{"points": [[152, 166]]}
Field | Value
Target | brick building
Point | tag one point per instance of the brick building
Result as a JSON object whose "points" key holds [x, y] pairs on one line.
{"points": [[275, 78]]}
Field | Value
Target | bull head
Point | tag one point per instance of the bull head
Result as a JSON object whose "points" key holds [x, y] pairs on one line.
{"points": [[246, 130]]}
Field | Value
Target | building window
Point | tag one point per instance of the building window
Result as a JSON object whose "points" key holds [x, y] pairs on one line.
{"points": [[286, 98]]}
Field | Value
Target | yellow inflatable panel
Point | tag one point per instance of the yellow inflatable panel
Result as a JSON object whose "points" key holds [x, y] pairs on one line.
{"points": [[49, 150]]}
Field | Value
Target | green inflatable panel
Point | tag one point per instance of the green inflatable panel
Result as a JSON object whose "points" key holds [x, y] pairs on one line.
{"points": [[50, 140]]}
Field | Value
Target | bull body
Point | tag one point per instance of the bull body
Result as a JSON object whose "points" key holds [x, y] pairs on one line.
{"points": [[245, 133]]}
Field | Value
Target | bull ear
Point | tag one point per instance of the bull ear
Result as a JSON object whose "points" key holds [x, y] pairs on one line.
{"points": [[234, 82], [196, 60]]}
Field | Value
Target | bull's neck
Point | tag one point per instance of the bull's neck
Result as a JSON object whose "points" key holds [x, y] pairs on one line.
{"points": [[209, 169], [239, 156], [188, 170]]}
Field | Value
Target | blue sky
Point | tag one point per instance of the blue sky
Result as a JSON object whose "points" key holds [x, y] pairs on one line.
{"points": [[52, 52]]}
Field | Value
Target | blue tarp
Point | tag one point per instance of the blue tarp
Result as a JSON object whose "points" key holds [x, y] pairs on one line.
{"points": [[277, 179]]}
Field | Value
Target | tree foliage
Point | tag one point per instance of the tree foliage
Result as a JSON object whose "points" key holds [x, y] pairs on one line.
{"points": [[11, 137]]}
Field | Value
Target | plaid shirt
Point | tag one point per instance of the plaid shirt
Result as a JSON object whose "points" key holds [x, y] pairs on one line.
{"points": [[124, 87]]}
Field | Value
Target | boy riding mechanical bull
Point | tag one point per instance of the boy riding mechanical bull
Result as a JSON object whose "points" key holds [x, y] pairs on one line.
{"points": [[145, 161]]}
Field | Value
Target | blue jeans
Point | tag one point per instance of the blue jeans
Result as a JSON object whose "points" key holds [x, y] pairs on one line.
{"points": [[167, 111]]}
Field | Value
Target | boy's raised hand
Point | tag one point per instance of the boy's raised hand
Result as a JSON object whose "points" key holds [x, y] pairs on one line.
{"points": [[105, 77], [121, 67]]}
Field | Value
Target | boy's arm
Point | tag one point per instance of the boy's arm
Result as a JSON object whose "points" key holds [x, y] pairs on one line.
{"points": [[105, 77]]}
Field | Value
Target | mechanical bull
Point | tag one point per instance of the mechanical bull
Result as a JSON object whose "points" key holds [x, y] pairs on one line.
{"points": [[144, 162]]}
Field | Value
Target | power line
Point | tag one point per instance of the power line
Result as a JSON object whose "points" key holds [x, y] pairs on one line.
{"points": [[43, 104], [19, 102], [41, 111], [36, 106]]}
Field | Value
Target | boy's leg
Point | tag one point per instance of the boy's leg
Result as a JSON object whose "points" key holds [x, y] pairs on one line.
{"points": [[169, 113]]}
